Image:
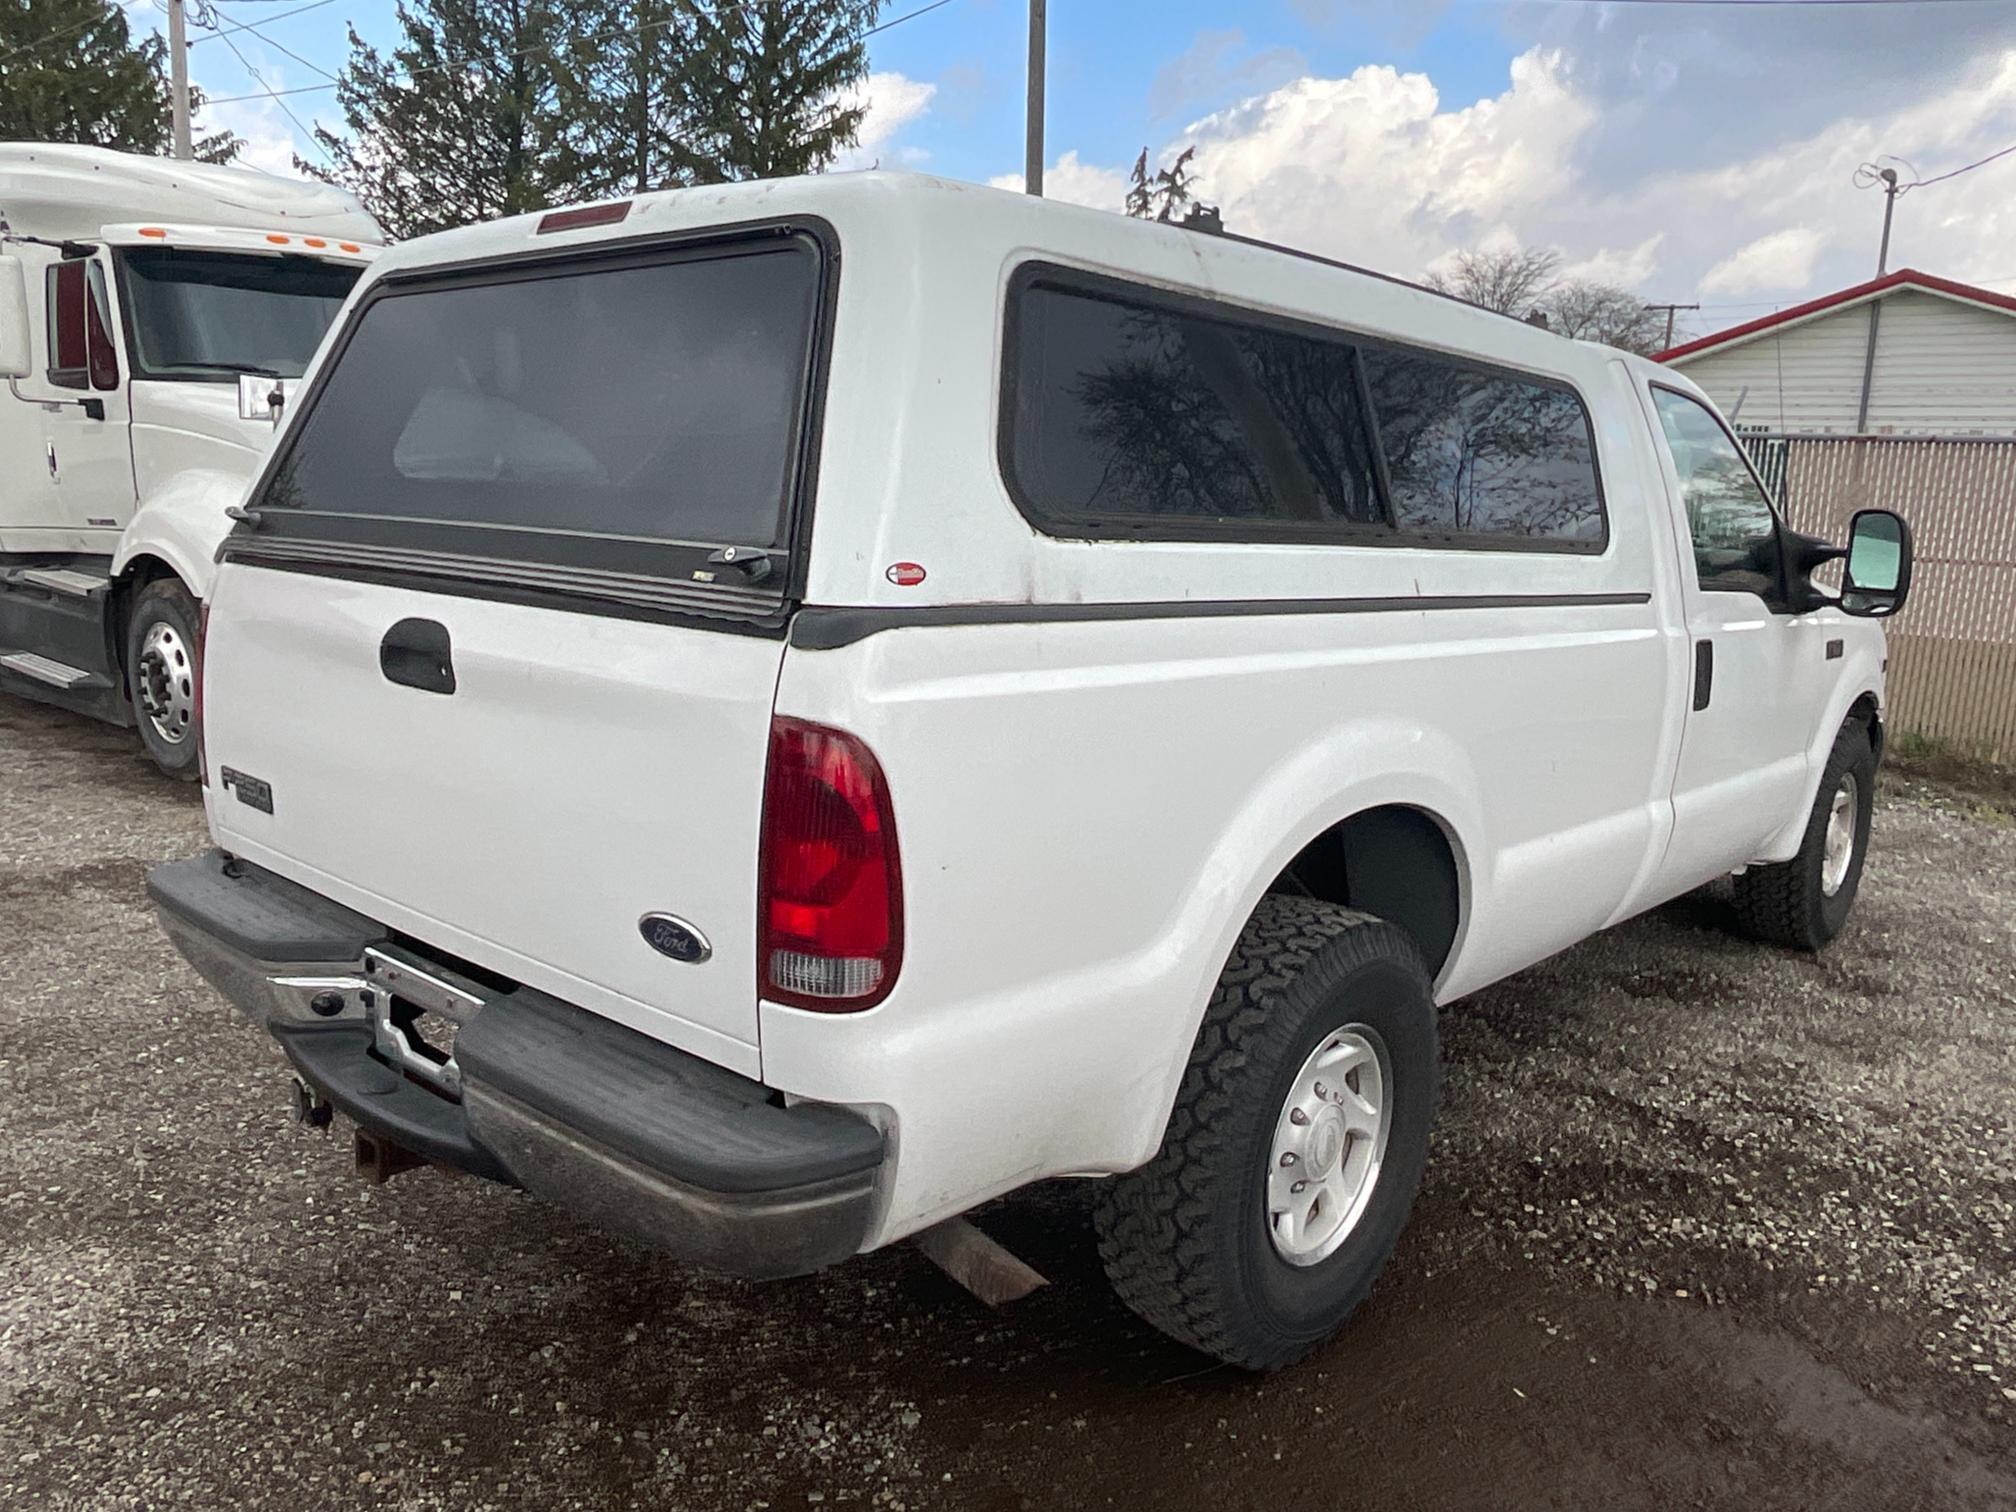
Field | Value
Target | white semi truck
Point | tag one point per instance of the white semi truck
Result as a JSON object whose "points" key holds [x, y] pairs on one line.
{"points": [[155, 318]]}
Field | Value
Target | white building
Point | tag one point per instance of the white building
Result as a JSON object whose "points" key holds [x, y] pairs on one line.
{"points": [[1944, 362]]}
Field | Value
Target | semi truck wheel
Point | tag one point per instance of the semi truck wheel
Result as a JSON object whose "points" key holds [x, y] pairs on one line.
{"points": [[161, 672], [1296, 1144], [1803, 903]]}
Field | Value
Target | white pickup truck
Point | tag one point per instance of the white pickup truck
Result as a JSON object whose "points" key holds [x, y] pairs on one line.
{"points": [[155, 317], [771, 715]]}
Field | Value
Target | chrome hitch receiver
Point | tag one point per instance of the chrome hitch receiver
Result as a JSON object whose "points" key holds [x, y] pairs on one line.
{"points": [[386, 974], [366, 994]]}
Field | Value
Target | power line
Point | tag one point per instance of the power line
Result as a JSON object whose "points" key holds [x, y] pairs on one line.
{"points": [[283, 47], [1941, 178], [269, 21], [532, 52], [247, 64], [68, 31]]}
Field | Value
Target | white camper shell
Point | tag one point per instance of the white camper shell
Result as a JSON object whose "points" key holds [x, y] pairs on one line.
{"points": [[856, 695], [155, 318]]}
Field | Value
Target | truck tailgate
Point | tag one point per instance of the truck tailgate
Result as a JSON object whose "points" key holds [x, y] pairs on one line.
{"points": [[585, 771]]}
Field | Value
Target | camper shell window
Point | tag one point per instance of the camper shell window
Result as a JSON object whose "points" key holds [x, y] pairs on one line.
{"points": [[636, 413], [1138, 413]]}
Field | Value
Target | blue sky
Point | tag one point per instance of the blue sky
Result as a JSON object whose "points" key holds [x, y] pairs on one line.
{"points": [[1692, 152]]}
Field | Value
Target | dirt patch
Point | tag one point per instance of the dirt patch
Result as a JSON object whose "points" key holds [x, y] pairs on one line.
{"points": [[1704, 1225]]}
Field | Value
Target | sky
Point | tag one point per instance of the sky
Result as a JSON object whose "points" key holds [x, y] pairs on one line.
{"points": [[1693, 152]]}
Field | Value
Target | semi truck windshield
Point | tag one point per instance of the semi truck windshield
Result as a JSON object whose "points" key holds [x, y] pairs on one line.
{"points": [[209, 316]]}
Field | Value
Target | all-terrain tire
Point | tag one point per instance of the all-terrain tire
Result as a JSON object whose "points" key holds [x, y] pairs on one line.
{"points": [[162, 669], [1789, 903], [1185, 1239]]}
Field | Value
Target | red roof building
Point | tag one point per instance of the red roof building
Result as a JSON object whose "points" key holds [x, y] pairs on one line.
{"points": [[1943, 361]]}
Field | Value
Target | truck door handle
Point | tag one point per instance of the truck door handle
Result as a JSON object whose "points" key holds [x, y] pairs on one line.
{"points": [[1704, 673], [416, 653]]}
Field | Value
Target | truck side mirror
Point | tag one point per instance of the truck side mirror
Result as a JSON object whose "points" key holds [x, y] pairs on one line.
{"points": [[17, 355], [1877, 579]]}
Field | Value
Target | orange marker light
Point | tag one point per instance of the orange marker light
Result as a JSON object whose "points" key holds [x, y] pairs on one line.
{"points": [[314, 241], [277, 239], [350, 246], [152, 231]]}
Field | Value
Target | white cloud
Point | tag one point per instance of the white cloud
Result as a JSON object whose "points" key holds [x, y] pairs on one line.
{"points": [[1626, 267], [1218, 63], [1375, 168], [1076, 182], [1780, 260], [893, 101], [270, 139]]}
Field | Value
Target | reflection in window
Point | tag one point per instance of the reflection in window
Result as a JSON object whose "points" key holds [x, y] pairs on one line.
{"points": [[1133, 414], [1734, 531], [1127, 411], [1479, 453]]}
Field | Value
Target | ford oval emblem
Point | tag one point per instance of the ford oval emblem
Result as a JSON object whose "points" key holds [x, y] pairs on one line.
{"points": [[674, 937]]}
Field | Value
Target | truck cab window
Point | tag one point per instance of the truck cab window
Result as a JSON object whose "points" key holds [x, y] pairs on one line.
{"points": [[209, 316], [1729, 517]]}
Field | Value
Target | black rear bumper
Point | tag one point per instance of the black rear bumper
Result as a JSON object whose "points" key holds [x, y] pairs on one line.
{"points": [[626, 1130]]}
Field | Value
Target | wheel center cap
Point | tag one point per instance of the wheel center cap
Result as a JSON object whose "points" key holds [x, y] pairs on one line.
{"points": [[1326, 1142]]}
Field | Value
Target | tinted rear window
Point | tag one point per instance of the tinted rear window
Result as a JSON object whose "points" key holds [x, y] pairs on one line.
{"points": [[659, 402], [1134, 412], [1130, 411], [1471, 451]]}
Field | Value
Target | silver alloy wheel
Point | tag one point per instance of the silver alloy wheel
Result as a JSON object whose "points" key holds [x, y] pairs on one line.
{"points": [[1839, 850], [1328, 1145], [166, 683]]}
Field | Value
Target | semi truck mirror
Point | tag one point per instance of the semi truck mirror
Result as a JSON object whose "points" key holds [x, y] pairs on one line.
{"points": [[17, 356], [260, 397], [1878, 576]]}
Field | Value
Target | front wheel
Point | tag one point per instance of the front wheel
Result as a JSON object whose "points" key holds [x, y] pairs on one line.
{"points": [[161, 672], [1803, 903], [1296, 1144]]}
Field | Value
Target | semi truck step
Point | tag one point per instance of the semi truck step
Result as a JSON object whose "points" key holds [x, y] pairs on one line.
{"points": [[44, 669], [64, 580]]}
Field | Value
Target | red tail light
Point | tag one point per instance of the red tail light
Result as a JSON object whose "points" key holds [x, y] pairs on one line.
{"points": [[830, 932], [202, 666]]}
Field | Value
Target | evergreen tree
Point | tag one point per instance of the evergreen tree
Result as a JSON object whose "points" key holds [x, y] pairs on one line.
{"points": [[465, 121], [70, 71], [764, 91], [1167, 194], [620, 88]]}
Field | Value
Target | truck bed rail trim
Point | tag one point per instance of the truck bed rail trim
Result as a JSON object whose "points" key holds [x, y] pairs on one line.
{"points": [[823, 628], [711, 600]]}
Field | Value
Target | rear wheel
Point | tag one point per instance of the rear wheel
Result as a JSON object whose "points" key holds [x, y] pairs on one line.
{"points": [[1805, 902], [1296, 1144], [161, 673]]}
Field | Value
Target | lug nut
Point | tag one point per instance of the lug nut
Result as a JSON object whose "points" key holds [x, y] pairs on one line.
{"points": [[328, 1004], [1288, 1157], [1297, 1116], [1300, 1186]]}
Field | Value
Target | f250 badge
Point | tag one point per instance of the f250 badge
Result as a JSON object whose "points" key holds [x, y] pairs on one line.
{"points": [[674, 937]]}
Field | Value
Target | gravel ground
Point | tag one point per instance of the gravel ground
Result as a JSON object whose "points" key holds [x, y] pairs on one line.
{"points": [[1705, 1224]]}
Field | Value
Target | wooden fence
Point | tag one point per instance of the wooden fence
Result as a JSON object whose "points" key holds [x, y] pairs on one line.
{"points": [[1953, 649]]}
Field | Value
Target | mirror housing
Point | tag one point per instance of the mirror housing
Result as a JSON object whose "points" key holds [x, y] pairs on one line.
{"points": [[261, 397], [1877, 578], [17, 350], [1804, 555]]}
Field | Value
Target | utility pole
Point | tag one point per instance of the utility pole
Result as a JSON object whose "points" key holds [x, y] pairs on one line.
{"points": [[1891, 190], [1890, 193], [178, 74], [1032, 163], [1671, 310]]}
